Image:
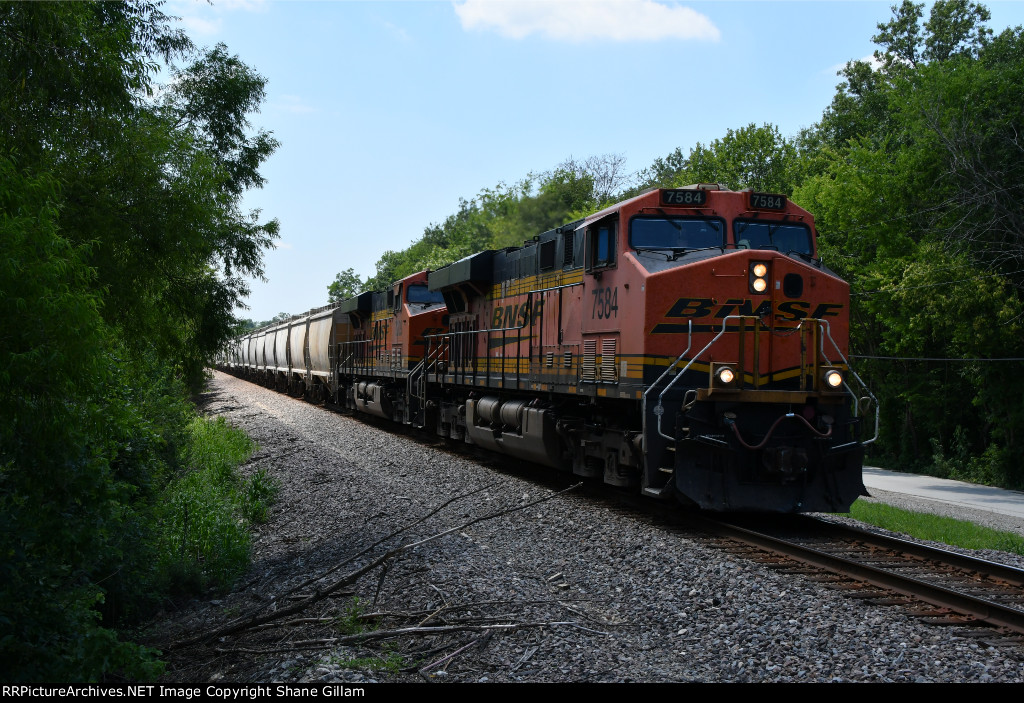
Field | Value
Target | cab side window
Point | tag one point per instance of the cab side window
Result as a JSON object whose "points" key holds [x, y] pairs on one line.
{"points": [[601, 245], [396, 299]]}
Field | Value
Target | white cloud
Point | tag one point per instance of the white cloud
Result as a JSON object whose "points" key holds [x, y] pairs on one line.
{"points": [[580, 20], [200, 18], [293, 104], [200, 26], [869, 59], [397, 31]]}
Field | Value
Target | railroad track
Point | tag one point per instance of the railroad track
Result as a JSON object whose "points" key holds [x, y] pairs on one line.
{"points": [[939, 586], [935, 585]]}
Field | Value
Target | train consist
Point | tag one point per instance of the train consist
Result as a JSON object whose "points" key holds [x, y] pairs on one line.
{"points": [[686, 342]]}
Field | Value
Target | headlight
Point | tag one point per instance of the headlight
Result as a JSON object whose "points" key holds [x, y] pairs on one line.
{"points": [[833, 379], [758, 277], [724, 377]]}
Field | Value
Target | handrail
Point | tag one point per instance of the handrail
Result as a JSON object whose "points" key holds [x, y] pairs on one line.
{"points": [[685, 368], [410, 392], [856, 400], [527, 320], [419, 372], [643, 399], [659, 409], [363, 364]]}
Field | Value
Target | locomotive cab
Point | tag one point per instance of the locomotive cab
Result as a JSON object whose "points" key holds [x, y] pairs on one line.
{"points": [[755, 409], [382, 366]]}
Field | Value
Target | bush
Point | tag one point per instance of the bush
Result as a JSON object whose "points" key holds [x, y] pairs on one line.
{"points": [[66, 519], [208, 508], [993, 467]]}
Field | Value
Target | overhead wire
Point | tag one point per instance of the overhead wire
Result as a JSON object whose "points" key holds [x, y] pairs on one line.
{"points": [[927, 358]]}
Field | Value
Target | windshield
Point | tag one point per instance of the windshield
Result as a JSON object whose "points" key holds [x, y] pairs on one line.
{"points": [[421, 294], [676, 233], [773, 235]]}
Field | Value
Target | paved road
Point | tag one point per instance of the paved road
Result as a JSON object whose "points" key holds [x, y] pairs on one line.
{"points": [[996, 500], [995, 508]]}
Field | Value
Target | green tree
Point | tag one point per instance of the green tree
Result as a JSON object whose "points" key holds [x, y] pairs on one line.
{"points": [[62, 504], [663, 173], [955, 28], [389, 268], [915, 181], [749, 157], [242, 326], [279, 317], [507, 215], [125, 249], [345, 285], [153, 187]]}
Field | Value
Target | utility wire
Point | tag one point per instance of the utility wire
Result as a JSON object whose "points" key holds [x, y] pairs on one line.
{"points": [[925, 358]]}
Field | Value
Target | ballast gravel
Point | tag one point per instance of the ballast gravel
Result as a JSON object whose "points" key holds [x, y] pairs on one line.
{"points": [[574, 588]]}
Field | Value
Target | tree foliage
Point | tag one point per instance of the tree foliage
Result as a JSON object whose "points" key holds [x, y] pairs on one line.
{"points": [[125, 250], [153, 185], [346, 284], [506, 216], [916, 185], [749, 157]]}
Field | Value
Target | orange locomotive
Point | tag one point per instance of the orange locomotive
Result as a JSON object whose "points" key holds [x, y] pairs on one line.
{"points": [[381, 369], [687, 342]]}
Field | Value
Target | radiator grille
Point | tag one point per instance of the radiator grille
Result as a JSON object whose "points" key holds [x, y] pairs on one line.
{"points": [[590, 360], [608, 359]]}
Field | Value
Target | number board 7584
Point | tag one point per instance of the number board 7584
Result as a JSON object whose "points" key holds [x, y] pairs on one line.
{"points": [[606, 303]]}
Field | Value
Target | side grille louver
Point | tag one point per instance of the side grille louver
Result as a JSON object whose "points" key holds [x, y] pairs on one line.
{"points": [[606, 370], [608, 359], [590, 360]]}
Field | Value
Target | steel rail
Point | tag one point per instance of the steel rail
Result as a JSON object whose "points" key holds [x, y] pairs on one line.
{"points": [[1004, 572], [976, 607]]}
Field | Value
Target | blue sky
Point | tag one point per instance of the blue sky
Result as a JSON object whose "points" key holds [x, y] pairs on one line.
{"points": [[389, 111]]}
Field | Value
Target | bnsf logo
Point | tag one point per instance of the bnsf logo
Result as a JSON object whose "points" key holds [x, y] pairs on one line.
{"points": [[516, 315], [788, 310]]}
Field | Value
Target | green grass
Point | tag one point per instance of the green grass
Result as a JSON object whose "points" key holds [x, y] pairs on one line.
{"points": [[351, 622], [257, 494], [958, 533], [392, 662], [208, 509]]}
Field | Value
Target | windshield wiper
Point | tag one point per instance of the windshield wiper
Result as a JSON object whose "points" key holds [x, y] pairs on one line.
{"points": [[803, 255], [679, 251], [676, 252], [660, 250]]}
